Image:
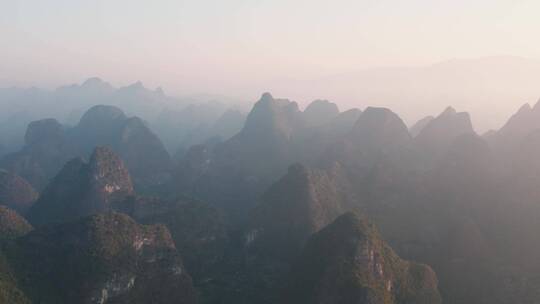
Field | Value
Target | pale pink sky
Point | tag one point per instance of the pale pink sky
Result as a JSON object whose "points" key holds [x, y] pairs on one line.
{"points": [[243, 47]]}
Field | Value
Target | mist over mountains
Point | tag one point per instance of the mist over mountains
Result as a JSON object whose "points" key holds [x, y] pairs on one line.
{"points": [[269, 152], [130, 196], [67, 104], [489, 88]]}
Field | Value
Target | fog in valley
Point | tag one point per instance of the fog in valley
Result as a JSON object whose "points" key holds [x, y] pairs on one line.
{"points": [[203, 152]]}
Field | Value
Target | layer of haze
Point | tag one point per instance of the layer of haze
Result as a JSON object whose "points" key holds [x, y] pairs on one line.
{"points": [[406, 55]]}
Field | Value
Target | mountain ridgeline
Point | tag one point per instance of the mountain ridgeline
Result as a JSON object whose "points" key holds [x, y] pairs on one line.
{"points": [[49, 145], [315, 206]]}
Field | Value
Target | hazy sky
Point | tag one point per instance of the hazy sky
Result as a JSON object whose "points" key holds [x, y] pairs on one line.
{"points": [[239, 46]]}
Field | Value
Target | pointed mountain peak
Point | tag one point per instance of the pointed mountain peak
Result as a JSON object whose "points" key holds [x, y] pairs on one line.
{"points": [[299, 204], [441, 131], [268, 103], [93, 81], [81, 189], [518, 126], [109, 171], [526, 108], [448, 111], [272, 116], [349, 262], [136, 86], [266, 97]]}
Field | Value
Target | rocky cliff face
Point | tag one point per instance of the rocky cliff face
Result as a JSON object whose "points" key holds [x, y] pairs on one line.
{"points": [[199, 230], [101, 259], [296, 206], [15, 192], [82, 189], [12, 225], [348, 262]]}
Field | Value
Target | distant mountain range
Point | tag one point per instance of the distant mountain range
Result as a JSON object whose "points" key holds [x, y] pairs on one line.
{"points": [[196, 120], [489, 88], [283, 205]]}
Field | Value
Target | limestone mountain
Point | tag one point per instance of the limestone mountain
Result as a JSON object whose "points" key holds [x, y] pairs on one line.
{"points": [[82, 189], [274, 117], [106, 258], [12, 225], [379, 129], [142, 151], [468, 168], [49, 145], [344, 121], [518, 126], [419, 125], [275, 135], [436, 136], [15, 192], [236, 171], [292, 209], [348, 262], [135, 98], [77, 97], [99, 124], [314, 140], [319, 112], [46, 149], [299, 204], [198, 229]]}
